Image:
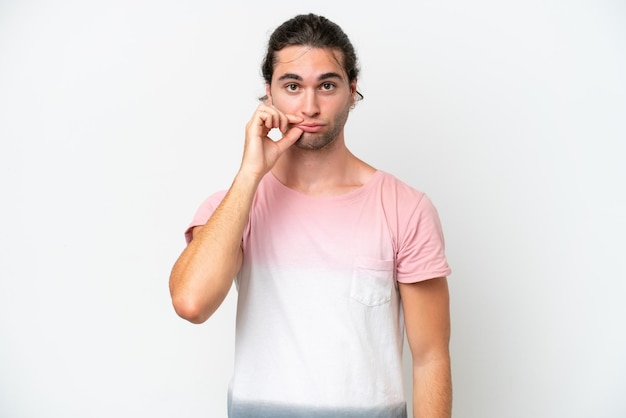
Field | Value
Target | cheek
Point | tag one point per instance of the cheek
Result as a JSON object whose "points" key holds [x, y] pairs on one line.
{"points": [[284, 103]]}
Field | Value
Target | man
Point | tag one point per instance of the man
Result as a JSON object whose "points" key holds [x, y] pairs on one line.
{"points": [[333, 259]]}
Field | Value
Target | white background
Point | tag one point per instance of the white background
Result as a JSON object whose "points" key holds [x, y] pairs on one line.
{"points": [[117, 118]]}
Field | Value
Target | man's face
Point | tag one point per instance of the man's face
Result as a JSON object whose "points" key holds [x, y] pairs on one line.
{"points": [[310, 82]]}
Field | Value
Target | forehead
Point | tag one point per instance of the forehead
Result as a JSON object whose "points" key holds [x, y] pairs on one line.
{"points": [[307, 61]]}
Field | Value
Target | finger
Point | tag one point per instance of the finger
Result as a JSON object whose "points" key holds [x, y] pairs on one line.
{"points": [[287, 120], [268, 118], [290, 137]]}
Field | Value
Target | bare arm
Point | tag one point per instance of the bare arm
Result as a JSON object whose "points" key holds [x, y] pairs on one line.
{"points": [[204, 272], [427, 320]]}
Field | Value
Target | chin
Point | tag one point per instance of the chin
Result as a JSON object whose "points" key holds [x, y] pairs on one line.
{"points": [[308, 141]]}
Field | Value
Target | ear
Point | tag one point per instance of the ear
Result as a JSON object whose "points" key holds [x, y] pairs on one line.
{"points": [[268, 95], [353, 94]]}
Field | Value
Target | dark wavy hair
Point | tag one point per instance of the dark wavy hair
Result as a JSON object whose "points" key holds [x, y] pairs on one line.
{"points": [[314, 31]]}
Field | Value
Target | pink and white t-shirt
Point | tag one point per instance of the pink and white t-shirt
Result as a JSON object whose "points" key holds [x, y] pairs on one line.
{"points": [[320, 328]]}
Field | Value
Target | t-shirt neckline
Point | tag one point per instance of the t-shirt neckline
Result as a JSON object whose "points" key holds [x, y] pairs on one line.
{"points": [[343, 197]]}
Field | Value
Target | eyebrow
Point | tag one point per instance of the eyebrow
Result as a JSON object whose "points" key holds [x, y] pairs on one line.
{"points": [[325, 76]]}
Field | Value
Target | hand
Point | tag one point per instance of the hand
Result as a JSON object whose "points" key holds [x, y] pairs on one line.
{"points": [[260, 151]]}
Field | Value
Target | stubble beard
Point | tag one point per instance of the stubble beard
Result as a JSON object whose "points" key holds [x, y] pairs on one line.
{"points": [[317, 141]]}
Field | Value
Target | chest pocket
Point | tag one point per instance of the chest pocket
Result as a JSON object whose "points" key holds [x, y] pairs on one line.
{"points": [[372, 281]]}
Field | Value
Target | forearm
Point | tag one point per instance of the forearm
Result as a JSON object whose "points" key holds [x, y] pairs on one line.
{"points": [[204, 272], [432, 389]]}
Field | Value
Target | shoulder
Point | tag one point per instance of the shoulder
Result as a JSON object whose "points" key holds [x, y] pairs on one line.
{"points": [[212, 201], [405, 206], [204, 212], [398, 191]]}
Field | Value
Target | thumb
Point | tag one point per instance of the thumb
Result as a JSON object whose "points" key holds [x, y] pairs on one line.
{"points": [[290, 137]]}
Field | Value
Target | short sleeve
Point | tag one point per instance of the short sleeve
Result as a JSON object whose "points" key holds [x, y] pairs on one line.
{"points": [[421, 246], [204, 212]]}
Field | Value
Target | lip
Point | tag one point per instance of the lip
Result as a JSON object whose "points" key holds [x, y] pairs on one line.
{"points": [[310, 127]]}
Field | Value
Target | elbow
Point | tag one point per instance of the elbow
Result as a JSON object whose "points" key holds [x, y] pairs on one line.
{"points": [[185, 302], [189, 309], [195, 298]]}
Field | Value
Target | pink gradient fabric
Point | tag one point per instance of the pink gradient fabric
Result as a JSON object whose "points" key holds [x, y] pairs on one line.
{"points": [[319, 319]]}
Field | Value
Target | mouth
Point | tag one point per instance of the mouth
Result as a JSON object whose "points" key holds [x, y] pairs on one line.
{"points": [[310, 127]]}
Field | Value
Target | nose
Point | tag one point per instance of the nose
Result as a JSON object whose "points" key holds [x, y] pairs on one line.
{"points": [[310, 106]]}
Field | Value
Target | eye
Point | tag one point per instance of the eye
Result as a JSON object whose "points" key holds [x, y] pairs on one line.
{"points": [[327, 86], [291, 87]]}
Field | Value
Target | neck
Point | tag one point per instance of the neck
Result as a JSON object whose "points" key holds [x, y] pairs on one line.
{"points": [[332, 170]]}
